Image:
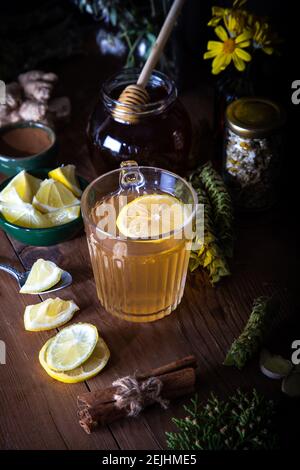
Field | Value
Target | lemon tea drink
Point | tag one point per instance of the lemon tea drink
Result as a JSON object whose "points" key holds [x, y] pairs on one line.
{"points": [[139, 237]]}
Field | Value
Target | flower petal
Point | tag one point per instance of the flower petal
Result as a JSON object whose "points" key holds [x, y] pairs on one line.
{"points": [[221, 33], [220, 62], [245, 36], [210, 54], [244, 44], [243, 54], [215, 46], [214, 21], [239, 63], [222, 65], [268, 50], [218, 11]]}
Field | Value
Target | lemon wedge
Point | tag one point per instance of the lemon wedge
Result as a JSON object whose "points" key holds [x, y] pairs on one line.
{"points": [[24, 215], [71, 347], [49, 314], [94, 364], [20, 189], [62, 216], [66, 176], [53, 195], [43, 275], [150, 216]]}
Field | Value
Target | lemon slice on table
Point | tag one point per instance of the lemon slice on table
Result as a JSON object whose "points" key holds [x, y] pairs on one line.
{"points": [[62, 216], [66, 175], [71, 347], [24, 215], [43, 275], [91, 367], [21, 188], [53, 195], [150, 216], [49, 314]]}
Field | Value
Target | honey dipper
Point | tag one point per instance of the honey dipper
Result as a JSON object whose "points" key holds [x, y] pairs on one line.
{"points": [[134, 96]]}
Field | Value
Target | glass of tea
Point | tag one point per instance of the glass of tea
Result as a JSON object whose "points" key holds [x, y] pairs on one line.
{"points": [[139, 223]]}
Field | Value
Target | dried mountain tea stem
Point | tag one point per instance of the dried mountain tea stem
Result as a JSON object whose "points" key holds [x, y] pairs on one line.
{"points": [[209, 255], [221, 206], [254, 333]]}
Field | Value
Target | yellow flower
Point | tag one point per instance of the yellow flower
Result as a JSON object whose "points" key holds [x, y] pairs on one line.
{"points": [[230, 49], [219, 13], [235, 22], [262, 37]]}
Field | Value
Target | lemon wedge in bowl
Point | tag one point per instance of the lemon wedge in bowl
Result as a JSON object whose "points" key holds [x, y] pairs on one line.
{"points": [[49, 314], [151, 216], [23, 215], [71, 347], [91, 367], [20, 189], [66, 175], [53, 195], [62, 216], [43, 275]]}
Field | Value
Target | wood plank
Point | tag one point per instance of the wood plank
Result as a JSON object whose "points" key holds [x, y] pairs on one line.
{"points": [[36, 411]]}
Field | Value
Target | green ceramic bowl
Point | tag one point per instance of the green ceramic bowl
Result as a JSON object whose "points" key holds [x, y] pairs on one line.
{"points": [[11, 165], [42, 236]]}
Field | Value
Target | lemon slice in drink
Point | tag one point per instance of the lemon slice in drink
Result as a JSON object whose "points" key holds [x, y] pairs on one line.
{"points": [[53, 195], [91, 367], [23, 214], [49, 314], [21, 188], [66, 175], [150, 216], [62, 216], [71, 347], [43, 275]]}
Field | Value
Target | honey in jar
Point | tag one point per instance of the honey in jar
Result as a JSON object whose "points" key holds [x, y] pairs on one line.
{"points": [[160, 135]]}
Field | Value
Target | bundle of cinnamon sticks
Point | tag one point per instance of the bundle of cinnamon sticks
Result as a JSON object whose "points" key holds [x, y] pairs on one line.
{"points": [[101, 407]]}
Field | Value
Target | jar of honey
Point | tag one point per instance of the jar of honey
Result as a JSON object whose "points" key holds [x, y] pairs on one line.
{"points": [[159, 134]]}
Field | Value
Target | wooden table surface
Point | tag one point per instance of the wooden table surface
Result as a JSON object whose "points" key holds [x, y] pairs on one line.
{"points": [[36, 412]]}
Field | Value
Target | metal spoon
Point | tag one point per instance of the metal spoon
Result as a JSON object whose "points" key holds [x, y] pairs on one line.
{"points": [[65, 281]]}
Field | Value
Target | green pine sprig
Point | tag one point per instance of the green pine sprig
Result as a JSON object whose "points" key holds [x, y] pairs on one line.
{"points": [[248, 343], [243, 422]]}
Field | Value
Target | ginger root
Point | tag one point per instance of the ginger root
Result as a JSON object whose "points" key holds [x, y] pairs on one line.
{"points": [[32, 111], [29, 99]]}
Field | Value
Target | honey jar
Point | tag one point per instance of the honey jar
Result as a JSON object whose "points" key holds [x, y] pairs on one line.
{"points": [[158, 135]]}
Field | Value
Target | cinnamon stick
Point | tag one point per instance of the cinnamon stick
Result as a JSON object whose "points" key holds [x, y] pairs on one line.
{"points": [[99, 408]]}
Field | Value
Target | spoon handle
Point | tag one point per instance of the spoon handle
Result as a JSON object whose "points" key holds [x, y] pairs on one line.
{"points": [[10, 270]]}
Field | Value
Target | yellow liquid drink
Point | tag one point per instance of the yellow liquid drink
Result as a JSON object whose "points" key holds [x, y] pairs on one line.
{"points": [[140, 268]]}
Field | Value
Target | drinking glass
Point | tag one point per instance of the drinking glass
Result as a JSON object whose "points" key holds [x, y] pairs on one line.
{"points": [[137, 279]]}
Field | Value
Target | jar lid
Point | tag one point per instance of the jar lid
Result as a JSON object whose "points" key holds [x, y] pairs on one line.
{"points": [[254, 117]]}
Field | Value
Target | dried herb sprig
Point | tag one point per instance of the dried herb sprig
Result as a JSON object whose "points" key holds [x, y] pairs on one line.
{"points": [[209, 255], [243, 422], [221, 206], [254, 333]]}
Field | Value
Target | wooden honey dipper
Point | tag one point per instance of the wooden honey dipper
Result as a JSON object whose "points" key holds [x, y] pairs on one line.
{"points": [[135, 96]]}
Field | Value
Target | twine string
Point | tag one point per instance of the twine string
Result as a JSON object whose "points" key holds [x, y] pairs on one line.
{"points": [[134, 396]]}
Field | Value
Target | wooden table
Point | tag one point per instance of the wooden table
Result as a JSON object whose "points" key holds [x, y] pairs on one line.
{"points": [[37, 412]]}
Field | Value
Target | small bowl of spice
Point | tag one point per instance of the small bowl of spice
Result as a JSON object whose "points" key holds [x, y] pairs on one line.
{"points": [[26, 145]]}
